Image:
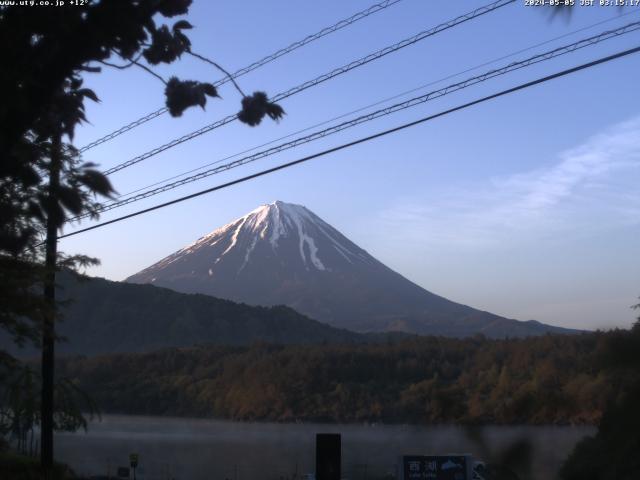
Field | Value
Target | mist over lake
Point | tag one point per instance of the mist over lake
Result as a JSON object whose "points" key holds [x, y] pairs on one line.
{"points": [[197, 449]]}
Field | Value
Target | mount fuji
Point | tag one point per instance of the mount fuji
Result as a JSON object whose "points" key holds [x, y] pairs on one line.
{"points": [[284, 254]]}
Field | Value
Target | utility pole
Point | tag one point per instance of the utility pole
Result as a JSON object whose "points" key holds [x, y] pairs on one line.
{"points": [[48, 327]]}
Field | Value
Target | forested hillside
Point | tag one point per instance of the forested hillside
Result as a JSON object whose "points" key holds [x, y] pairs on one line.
{"points": [[101, 316], [540, 380]]}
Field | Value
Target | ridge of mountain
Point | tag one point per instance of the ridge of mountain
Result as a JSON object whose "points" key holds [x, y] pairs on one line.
{"points": [[284, 254], [104, 316]]}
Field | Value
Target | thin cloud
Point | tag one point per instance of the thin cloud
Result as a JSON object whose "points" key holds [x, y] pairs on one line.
{"points": [[592, 186]]}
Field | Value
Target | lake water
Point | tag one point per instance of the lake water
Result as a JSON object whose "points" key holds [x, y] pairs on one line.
{"points": [[194, 449]]}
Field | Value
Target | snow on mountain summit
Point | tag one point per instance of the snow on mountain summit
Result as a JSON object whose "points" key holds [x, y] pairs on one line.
{"points": [[274, 223]]}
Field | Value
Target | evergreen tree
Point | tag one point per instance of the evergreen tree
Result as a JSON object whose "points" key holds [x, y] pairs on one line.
{"points": [[43, 180]]}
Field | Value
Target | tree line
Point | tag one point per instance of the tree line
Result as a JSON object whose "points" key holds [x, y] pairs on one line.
{"points": [[537, 380]]}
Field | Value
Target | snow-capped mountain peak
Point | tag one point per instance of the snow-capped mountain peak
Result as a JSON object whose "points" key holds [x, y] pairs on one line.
{"points": [[318, 244], [284, 254]]}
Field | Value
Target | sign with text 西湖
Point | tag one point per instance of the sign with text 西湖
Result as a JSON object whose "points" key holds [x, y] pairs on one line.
{"points": [[435, 467]]}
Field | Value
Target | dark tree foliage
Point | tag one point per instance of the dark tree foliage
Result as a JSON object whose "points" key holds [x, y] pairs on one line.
{"points": [[512, 462], [20, 406], [21, 309], [42, 95], [42, 98], [43, 180], [255, 107], [50, 47], [167, 45], [540, 380], [182, 95], [613, 453], [28, 201]]}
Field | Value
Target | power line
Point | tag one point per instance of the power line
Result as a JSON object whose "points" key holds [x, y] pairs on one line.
{"points": [[320, 79], [364, 139], [379, 102], [253, 66], [513, 66]]}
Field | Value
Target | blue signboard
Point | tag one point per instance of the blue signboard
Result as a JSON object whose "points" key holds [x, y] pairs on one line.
{"points": [[436, 467]]}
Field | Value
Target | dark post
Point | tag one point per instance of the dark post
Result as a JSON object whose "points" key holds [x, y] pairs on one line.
{"points": [[133, 461], [328, 456], [48, 327]]}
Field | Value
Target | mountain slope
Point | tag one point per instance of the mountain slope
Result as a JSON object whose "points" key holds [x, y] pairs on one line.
{"points": [[111, 317], [285, 254]]}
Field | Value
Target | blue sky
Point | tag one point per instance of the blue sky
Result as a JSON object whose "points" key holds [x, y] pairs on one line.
{"points": [[527, 206]]}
